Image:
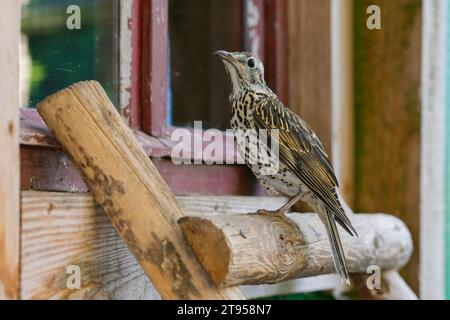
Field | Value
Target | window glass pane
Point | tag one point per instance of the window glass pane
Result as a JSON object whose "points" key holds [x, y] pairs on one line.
{"points": [[199, 87], [54, 56]]}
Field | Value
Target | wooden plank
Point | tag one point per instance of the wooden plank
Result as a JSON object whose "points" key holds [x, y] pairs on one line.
{"points": [[9, 144], [50, 169], [310, 64], [276, 48], [133, 195], [433, 136], [135, 105], [155, 56], [387, 116], [125, 59], [342, 124], [253, 249], [63, 229], [60, 230]]}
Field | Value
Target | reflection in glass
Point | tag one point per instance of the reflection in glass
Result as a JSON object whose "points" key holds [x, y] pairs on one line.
{"points": [[199, 87], [53, 57]]}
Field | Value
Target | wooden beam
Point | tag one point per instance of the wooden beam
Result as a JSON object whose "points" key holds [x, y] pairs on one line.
{"points": [[387, 68], [154, 63], [71, 229], [434, 96], [309, 35], [254, 249], [61, 230], [276, 48], [124, 181], [64, 229], [342, 124], [9, 145], [126, 24]]}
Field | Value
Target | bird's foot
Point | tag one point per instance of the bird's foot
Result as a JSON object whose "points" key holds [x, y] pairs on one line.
{"points": [[278, 213]]}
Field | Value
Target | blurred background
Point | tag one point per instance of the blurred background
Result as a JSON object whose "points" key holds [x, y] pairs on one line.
{"points": [[369, 76]]}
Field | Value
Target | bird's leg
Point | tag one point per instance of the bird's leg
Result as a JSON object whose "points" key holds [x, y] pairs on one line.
{"points": [[284, 208], [289, 204], [281, 212]]}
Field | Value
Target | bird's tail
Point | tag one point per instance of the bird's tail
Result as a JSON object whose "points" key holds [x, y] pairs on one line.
{"points": [[336, 246]]}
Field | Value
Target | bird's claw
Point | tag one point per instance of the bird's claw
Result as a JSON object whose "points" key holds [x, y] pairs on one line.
{"points": [[280, 214]]}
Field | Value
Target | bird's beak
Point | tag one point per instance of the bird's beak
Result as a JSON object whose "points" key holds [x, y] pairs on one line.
{"points": [[224, 55]]}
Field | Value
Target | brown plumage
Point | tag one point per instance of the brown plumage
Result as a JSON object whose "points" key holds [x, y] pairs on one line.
{"points": [[304, 172]]}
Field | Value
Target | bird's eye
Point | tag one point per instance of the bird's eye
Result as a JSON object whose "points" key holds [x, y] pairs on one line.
{"points": [[251, 63]]}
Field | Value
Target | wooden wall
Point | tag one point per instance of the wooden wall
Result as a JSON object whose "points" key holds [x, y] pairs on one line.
{"points": [[9, 144], [387, 115], [309, 47], [309, 68]]}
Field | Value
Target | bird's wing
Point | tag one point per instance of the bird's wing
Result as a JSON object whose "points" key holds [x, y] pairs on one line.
{"points": [[302, 152]]}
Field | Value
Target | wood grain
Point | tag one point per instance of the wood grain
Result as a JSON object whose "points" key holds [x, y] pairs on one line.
{"points": [[59, 230], [387, 116], [9, 144], [129, 188], [63, 229], [254, 249]]}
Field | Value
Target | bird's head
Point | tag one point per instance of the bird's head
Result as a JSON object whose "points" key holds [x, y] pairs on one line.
{"points": [[244, 69]]}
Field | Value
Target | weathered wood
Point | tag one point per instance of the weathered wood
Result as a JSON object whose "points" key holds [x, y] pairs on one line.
{"points": [[124, 181], [154, 62], [342, 124], [63, 229], [387, 66], [433, 163], [309, 35], [9, 146], [276, 48], [70, 229], [252, 249], [393, 287]]}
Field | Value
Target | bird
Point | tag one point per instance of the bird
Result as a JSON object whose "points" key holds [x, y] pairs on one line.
{"points": [[304, 170]]}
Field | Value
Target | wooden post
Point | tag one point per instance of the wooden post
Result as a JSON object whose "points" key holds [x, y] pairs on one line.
{"points": [[342, 126], [309, 38], [124, 181], [253, 249], [9, 146], [387, 66], [434, 142]]}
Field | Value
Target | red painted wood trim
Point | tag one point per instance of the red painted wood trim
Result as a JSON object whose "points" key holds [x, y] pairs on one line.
{"points": [[136, 73], [276, 47], [207, 180], [254, 27], [47, 169], [155, 64], [34, 132]]}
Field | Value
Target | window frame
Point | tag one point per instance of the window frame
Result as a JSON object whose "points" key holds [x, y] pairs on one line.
{"points": [[143, 84]]}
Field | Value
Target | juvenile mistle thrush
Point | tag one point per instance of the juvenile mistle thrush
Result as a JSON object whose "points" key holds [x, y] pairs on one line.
{"points": [[304, 171]]}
